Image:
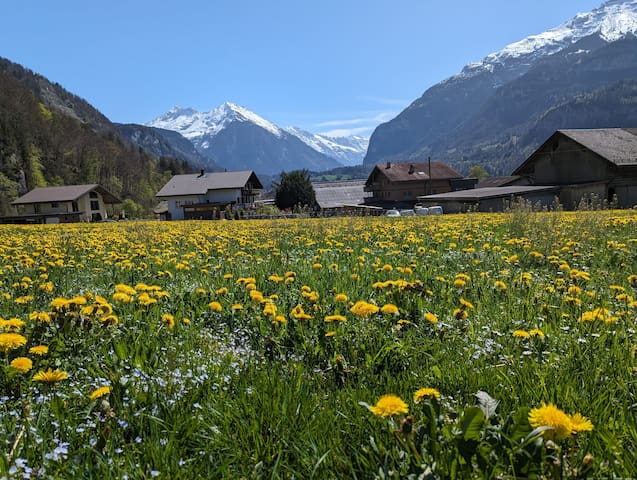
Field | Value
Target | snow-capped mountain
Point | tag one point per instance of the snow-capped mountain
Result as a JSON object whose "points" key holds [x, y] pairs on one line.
{"points": [[239, 139], [495, 111], [347, 150], [193, 124], [611, 21]]}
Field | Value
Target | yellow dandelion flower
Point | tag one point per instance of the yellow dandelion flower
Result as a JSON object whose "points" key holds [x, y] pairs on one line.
{"points": [[364, 309], [39, 350], [335, 318], [121, 297], [13, 324], [215, 306], [466, 304], [122, 288], [21, 364], [551, 416], [11, 341], [536, 332], [425, 393], [579, 423], [389, 405], [521, 334], [341, 298], [50, 376], [168, 320], [100, 392], [389, 309], [431, 317], [500, 285]]}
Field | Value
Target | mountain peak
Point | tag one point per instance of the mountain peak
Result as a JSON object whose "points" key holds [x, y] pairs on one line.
{"points": [[611, 21]]}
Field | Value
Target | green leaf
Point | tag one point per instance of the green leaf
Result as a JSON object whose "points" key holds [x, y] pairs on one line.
{"points": [[471, 424]]}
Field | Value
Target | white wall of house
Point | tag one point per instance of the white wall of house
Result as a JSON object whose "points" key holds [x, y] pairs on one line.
{"points": [[90, 204], [226, 195]]}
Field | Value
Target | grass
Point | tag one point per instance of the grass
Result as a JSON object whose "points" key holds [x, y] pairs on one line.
{"points": [[527, 309]]}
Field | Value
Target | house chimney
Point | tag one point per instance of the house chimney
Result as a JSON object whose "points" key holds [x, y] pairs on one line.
{"points": [[411, 169], [388, 165], [201, 173]]}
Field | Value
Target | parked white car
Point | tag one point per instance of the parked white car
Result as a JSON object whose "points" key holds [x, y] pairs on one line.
{"points": [[392, 213]]}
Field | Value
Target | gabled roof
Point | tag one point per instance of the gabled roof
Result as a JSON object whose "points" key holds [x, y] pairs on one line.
{"points": [[200, 183], [339, 194], [410, 172], [615, 145], [69, 193]]}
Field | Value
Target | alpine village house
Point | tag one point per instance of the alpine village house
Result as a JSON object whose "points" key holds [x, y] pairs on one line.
{"points": [[64, 204], [206, 196]]}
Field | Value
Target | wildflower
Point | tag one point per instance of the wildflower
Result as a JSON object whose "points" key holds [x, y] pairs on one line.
{"points": [[331, 333], [298, 313], [341, 297], [389, 309], [21, 364], [579, 423], [122, 288], [145, 299], [13, 324], [551, 416], [364, 309], [221, 291], [168, 320], [215, 306], [431, 317], [50, 376], [536, 332], [335, 318], [521, 334], [269, 310], [121, 297], [425, 393], [387, 268], [460, 313], [237, 306], [388, 405], [500, 285], [11, 341], [466, 304], [39, 350], [280, 320], [100, 392]]}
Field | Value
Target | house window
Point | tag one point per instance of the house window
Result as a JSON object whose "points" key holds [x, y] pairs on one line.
{"points": [[54, 205], [93, 195], [75, 206], [95, 205]]}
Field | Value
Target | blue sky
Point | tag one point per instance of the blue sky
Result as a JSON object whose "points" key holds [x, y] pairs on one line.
{"points": [[329, 67]]}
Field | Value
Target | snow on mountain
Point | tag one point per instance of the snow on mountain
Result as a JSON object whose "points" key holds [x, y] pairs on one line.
{"points": [[347, 150], [193, 124], [612, 20], [200, 127]]}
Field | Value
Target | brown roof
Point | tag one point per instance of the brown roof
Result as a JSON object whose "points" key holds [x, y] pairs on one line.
{"points": [[476, 194], [67, 193], [617, 145], [339, 194], [409, 172], [198, 184], [497, 181]]}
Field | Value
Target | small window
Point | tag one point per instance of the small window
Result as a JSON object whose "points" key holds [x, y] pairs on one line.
{"points": [[93, 195], [75, 206], [95, 205], [54, 205]]}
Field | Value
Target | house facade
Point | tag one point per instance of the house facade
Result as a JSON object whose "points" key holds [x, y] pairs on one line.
{"points": [[72, 203], [400, 184], [207, 195], [585, 163]]}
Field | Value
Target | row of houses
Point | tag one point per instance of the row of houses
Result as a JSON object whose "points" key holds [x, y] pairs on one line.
{"points": [[570, 166]]}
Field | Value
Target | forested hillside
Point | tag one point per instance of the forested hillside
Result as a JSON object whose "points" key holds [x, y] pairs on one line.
{"points": [[49, 136]]}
